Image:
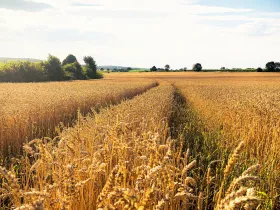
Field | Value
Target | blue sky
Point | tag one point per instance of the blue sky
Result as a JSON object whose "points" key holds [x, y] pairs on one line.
{"points": [[144, 33], [260, 5]]}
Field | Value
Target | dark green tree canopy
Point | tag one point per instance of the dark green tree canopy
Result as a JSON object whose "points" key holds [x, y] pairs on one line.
{"points": [[154, 68], [167, 67], [272, 66], [53, 69], [69, 59], [259, 69], [74, 71], [91, 67], [197, 67]]}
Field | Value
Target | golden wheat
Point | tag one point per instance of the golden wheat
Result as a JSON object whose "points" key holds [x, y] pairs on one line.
{"points": [[33, 110], [126, 157]]}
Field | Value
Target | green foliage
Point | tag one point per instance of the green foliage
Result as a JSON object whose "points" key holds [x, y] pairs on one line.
{"points": [[272, 66], [17, 71], [99, 75], [73, 71], [90, 68], [49, 70], [167, 67], [53, 69], [154, 68], [197, 67], [69, 59]]}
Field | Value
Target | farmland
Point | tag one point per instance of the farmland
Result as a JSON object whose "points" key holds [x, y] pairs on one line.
{"points": [[34, 110], [167, 141]]}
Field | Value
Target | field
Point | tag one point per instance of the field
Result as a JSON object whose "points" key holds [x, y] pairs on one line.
{"points": [[142, 141], [31, 110]]}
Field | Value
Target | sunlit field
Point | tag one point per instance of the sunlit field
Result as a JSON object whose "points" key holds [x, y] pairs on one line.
{"points": [[31, 110], [165, 141]]}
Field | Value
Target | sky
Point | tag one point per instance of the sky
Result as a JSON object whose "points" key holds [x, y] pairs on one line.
{"points": [[143, 33]]}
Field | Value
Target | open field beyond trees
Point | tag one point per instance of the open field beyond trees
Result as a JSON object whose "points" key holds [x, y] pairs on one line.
{"points": [[142, 141]]}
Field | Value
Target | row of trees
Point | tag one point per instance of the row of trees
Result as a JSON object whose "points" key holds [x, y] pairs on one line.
{"points": [[196, 67], [50, 70], [270, 67]]}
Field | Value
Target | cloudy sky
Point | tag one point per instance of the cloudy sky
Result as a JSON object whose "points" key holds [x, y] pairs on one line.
{"points": [[143, 33]]}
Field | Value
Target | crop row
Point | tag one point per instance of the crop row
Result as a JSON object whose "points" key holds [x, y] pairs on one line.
{"points": [[34, 110], [121, 158]]}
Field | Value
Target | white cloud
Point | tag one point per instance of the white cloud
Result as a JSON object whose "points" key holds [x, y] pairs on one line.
{"points": [[25, 5], [142, 33]]}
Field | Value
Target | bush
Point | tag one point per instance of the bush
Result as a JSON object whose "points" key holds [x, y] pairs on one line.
{"points": [[99, 75]]}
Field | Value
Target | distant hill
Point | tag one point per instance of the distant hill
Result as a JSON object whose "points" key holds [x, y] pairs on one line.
{"points": [[118, 67], [2, 59]]}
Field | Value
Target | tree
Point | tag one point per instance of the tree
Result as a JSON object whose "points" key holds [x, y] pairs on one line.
{"points": [[129, 69], [90, 68], [153, 68], [259, 69], [69, 59], [74, 71], [52, 69], [272, 66], [223, 68], [167, 67], [197, 67], [185, 68], [277, 66]]}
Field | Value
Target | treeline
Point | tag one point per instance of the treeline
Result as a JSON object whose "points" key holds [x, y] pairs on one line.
{"points": [[50, 70], [269, 67], [196, 67]]}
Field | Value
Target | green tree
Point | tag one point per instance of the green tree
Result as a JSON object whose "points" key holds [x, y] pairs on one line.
{"points": [[52, 69], [90, 68], [270, 66], [259, 69], [153, 68], [197, 67], [167, 67], [69, 59], [73, 71]]}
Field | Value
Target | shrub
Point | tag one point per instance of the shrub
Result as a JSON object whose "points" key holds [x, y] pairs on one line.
{"points": [[259, 69]]}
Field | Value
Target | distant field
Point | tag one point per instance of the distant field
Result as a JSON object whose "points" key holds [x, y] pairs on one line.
{"points": [[196, 141]]}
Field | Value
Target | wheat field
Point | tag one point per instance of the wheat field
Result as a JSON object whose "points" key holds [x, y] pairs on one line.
{"points": [[196, 141], [31, 110]]}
